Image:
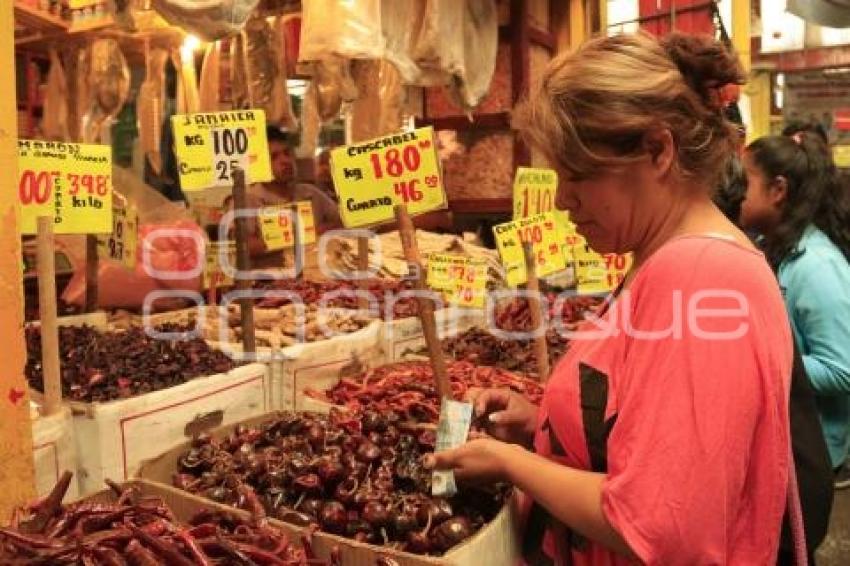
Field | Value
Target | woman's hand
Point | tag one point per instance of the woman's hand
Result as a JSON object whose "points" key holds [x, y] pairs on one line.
{"points": [[507, 415], [483, 459]]}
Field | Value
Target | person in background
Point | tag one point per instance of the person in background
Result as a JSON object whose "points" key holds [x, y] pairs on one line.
{"points": [[284, 188], [796, 126], [796, 201], [650, 445]]}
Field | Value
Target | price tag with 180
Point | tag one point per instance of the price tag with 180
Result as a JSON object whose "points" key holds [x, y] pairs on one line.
{"points": [[372, 177]]}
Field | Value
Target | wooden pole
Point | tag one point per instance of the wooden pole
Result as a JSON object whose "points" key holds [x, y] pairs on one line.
{"points": [[17, 480], [91, 273], [541, 348], [363, 265], [426, 306], [297, 246], [243, 262], [46, 266]]}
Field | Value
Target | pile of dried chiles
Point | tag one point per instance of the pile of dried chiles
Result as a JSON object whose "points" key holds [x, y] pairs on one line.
{"points": [[407, 388], [515, 314], [312, 292], [478, 346], [357, 476], [104, 366], [142, 531]]}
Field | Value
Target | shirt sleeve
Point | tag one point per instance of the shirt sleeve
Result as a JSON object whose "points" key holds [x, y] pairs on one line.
{"points": [[688, 410], [821, 311]]}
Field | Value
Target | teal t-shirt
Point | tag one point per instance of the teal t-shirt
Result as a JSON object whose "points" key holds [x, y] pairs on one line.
{"points": [[816, 286]]}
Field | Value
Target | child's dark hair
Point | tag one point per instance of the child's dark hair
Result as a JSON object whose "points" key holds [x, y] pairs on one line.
{"points": [[816, 194]]}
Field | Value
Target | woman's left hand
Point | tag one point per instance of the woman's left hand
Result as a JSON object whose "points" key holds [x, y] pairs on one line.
{"points": [[482, 459]]}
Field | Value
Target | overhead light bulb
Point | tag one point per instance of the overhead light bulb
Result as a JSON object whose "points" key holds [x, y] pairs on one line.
{"points": [[190, 44]]}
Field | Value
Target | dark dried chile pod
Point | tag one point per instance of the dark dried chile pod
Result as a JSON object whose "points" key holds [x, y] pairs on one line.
{"points": [[436, 510], [330, 471], [368, 452], [333, 517], [307, 483], [451, 532], [375, 513]]}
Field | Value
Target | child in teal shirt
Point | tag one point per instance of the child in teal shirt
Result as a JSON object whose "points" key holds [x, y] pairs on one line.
{"points": [[796, 202]]}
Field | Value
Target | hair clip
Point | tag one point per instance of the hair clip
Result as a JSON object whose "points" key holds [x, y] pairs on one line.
{"points": [[797, 137]]}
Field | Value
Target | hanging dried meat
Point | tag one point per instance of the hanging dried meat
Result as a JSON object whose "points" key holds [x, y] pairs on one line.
{"points": [[265, 68], [459, 40], [210, 87], [208, 19], [188, 98], [107, 83], [238, 78], [150, 110], [55, 123], [378, 108]]}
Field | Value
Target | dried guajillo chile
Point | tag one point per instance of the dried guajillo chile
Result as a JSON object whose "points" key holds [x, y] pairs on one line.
{"points": [[104, 366], [358, 476], [479, 346], [514, 315], [136, 530], [312, 292], [407, 388]]}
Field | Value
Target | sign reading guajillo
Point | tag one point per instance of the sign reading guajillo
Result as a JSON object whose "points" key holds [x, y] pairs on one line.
{"points": [[373, 176]]}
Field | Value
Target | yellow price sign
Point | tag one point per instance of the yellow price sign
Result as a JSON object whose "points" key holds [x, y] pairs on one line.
{"points": [[534, 191], [463, 280], [72, 182], [213, 273], [121, 244], [599, 273], [372, 177], [542, 231], [841, 155], [276, 225], [210, 145]]}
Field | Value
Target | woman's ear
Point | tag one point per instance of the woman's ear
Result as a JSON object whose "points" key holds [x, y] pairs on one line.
{"points": [[778, 190], [661, 148]]}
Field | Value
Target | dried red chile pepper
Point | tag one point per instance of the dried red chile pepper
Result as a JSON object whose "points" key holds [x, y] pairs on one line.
{"points": [[406, 390], [142, 531], [347, 485], [104, 366]]}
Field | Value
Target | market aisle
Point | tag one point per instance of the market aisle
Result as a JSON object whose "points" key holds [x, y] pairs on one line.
{"points": [[835, 550]]}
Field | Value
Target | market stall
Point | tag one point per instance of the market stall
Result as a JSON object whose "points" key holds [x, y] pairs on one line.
{"points": [[242, 207]]}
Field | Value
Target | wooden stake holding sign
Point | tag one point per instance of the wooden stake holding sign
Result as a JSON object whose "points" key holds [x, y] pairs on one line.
{"points": [[363, 266], [243, 262], [541, 347], [46, 268], [426, 306], [92, 265]]}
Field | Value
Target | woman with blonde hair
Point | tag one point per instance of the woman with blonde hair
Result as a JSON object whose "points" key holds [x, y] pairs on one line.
{"points": [[663, 435]]}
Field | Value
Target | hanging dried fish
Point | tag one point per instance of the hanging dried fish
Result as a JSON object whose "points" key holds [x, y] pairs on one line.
{"points": [[108, 84], [55, 123], [188, 98], [208, 19], [150, 110], [238, 79], [210, 99]]}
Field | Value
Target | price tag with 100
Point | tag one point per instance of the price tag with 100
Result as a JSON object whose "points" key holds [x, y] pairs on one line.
{"points": [[542, 232], [209, 146], [373, 176], [70, 182]]}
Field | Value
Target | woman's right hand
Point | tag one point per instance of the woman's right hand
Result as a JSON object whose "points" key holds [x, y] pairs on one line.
{"points": [[507, 415]]}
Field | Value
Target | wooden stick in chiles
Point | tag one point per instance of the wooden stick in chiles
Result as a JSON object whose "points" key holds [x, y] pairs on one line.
{"points": [[46, 267], [91, 273], [363, 266], [297, 242], [541, 348], [426, 306], [243, 262]]}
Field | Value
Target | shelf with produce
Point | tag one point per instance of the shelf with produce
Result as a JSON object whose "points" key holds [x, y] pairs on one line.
{"points": [[35, 20]]}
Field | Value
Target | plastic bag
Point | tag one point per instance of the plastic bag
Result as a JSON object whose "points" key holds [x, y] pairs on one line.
{"points": [[107, 83], [208, 19], [265, 66], [119, 287], [350, 29]]}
